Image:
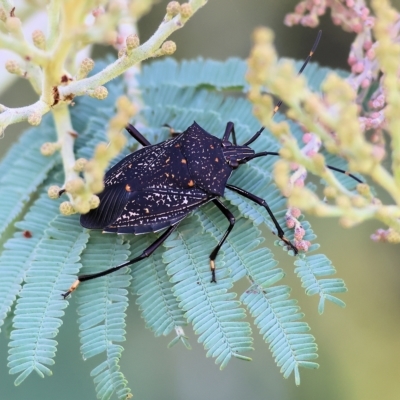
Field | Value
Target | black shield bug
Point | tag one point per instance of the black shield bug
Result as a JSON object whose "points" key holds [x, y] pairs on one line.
{"points": [[156, 187]]}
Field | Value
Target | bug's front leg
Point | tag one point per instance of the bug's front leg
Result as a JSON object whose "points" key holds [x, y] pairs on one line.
{"points": [[137, 135], [263, 203], [230, 217], [230, 129]]}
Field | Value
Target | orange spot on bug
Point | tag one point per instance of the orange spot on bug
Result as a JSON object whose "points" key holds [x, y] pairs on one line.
{"points": [[216, 159], [190, 183], [147, 210], [211, 146], [128, 188], [167, 175], [183, 161]]}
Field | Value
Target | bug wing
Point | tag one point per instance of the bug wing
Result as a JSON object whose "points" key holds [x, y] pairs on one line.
{"points": [[155, 167], [155, 209], [112, 202], [150, 166]]}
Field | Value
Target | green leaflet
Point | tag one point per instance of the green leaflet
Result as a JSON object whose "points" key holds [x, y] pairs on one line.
{"points": [[40, 304], [23, 170], [101, 310], [277, 317], [208, 306], [315, 265], [191, 73], [19, 251], [151, 284]]}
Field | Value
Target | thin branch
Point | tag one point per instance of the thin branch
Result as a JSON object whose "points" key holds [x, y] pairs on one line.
{"points": [[54, 13], [13, 115], [24, 49], [66, 138], [119, 66]]}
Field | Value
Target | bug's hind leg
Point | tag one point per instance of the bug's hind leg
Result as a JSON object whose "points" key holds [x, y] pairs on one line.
{"points": [[137, 135], [261, 202], [230, 217], [146, 253]]}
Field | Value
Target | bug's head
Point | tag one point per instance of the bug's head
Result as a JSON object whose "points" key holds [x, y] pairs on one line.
{"points": [[236, 155]]}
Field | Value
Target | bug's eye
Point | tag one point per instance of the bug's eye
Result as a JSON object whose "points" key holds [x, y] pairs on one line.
{"points": [[233, 163], [225, 143]]}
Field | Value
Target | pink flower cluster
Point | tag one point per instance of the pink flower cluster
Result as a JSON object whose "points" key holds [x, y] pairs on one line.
{"points": [[354, 16], [292, 222]]}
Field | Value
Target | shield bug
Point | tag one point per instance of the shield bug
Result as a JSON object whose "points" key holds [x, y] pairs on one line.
{"points": [[155, 187]]}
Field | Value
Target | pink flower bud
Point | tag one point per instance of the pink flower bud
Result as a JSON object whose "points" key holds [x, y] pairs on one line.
{"points": [[371, 54], [311, 153], [299, 182], [357, 68], [365, 83], [295, 212], [369, 22], [357, 27], [300, 8], [367, 44], [352, 59], [307, 137], [290, 223]]}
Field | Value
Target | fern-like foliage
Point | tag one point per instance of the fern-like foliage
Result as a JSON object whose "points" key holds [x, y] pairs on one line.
{"points": [[277, 318], [24, 167], [154, 290], [101, 310], [40, 304], [18, 252], [43, 251], [210, 308]]}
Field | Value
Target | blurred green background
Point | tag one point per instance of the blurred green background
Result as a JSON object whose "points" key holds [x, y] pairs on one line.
{"points": [[359, 346]]}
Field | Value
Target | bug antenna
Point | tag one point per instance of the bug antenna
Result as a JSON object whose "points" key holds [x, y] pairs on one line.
{"points": [[278, 105], [307, 60], [274, 153], [254, 138]]}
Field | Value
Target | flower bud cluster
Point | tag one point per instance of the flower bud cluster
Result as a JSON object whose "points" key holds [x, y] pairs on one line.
{"points": [[386, 235], [39, 39], [49, 148], [94, 169], [82, 191], [332, 119], [85, 67], [292, 222], [356, 16], [167, 48]]}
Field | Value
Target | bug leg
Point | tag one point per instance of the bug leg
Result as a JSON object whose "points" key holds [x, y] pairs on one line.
{"points": [[230, 217], [261, 202], [230, 128], [172, 131], [137, 135], [146, 253]]}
